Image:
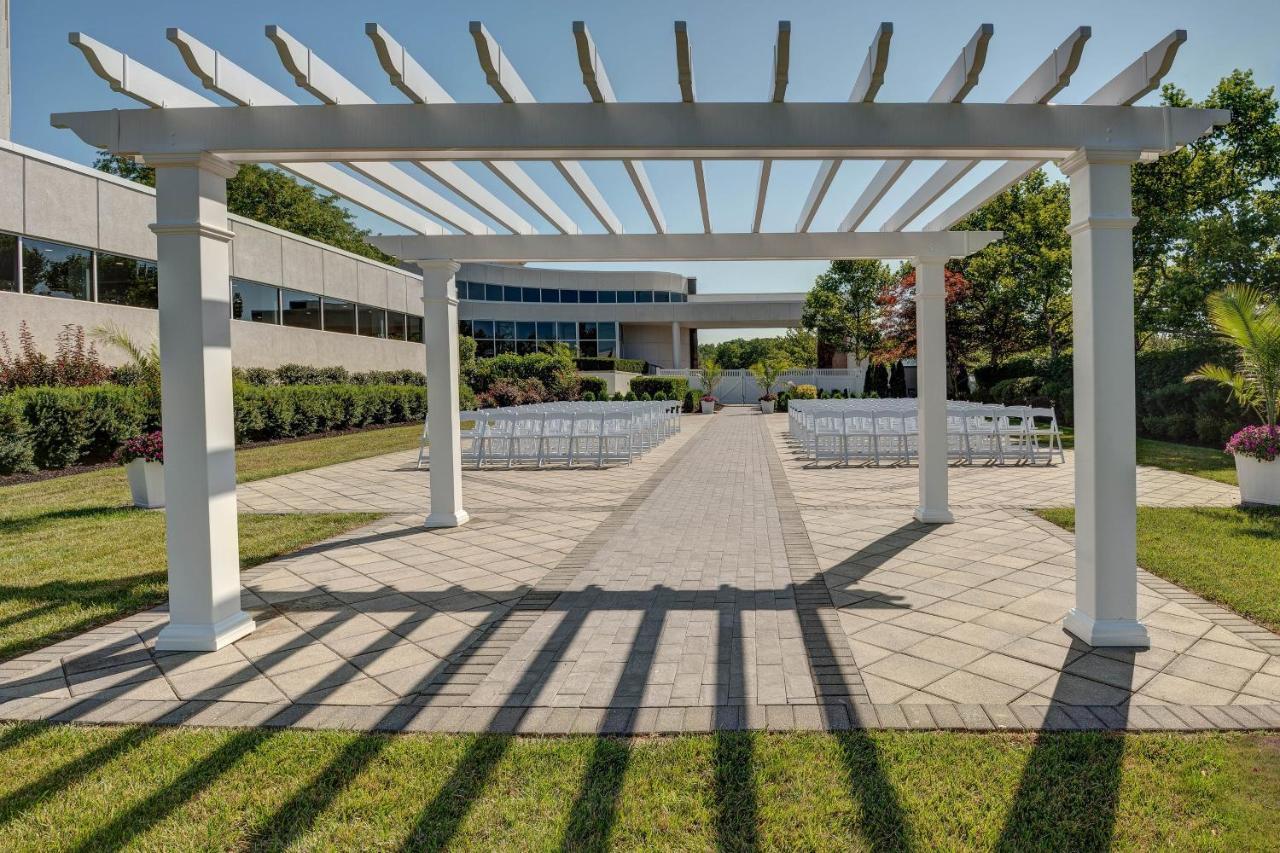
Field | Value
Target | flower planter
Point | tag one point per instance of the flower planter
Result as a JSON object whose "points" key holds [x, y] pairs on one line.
{"points": [[146, 481], [766, 407], [708, 407], [1259, 481]]}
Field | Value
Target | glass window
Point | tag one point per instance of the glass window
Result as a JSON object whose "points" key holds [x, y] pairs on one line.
{"points": [[373, 321], [483, 330], [530, 294], [52, 269], [465, 330], [586, 331], [300, 309], [526, 347], [493, 292], [484, 349], [567, 331], [9, 263], [504, 330], [626, 296], [568, 296], [250, 301], [339, 316], [129, 281], [546, 331], [526, 331], [550, 294], [606, 349], [461, 287], [644, 296], [607, 330], [588, 296], [510, 294], [587, 349], [661, 296], [609, 296], [413, 328], [475, 290], [396, 325], [504, 346]]}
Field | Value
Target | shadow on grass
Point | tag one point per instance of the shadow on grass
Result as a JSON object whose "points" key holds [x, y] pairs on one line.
{"points": [[736, 813], [115, 597], [33, 523], [441, 819]]}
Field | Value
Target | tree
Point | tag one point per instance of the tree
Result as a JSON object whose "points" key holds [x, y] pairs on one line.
{"points": [[273, 198], [1021, 284], [841, 306], [1241, 316], [798, 348], [897, 322]]}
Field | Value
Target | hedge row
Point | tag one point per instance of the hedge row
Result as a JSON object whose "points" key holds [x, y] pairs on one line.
{"points": [[660, 387], [57, 427], [625, 365], [303, 374]]}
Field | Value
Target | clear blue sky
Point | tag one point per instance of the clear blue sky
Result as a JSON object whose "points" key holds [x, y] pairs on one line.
{"points": [[732, 49]]}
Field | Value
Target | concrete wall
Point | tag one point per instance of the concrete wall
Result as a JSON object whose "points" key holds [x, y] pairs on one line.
{"points": [[46, 197], [652, 342]]}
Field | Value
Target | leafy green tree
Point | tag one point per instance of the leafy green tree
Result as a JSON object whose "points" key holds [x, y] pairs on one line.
{"points": [[841, 306], [797, 348], [1241, 316], [273, 198]]}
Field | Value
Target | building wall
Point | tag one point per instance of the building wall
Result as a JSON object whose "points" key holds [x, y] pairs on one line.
{"points": [[652, 342], [52, 199]]}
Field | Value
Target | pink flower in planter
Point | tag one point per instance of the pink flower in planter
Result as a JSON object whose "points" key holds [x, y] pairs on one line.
{"points": [[149, 447], [1257, 442]]}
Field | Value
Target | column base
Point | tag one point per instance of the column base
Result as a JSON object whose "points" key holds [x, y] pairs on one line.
{"points": [[447, 519], [201, 637], [1122, 633], [934, 516]]}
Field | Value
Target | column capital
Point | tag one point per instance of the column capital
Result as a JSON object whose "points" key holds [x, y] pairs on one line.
{"points": [[438, 282], [202, 160], [1096, 157]]}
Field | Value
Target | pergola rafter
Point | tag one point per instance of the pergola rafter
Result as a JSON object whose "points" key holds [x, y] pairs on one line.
{"points": [[777, 94], [196, 145]]}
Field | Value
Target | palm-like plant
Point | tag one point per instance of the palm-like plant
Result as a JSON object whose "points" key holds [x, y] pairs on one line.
{"points": [[766, 372], [1242, 316], [711, 374]]}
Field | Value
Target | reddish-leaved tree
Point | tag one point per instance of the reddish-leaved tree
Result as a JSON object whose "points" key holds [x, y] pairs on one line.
{"points": [[897, 322]]}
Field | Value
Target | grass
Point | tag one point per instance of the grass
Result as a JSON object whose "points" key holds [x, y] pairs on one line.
{"points": [[84, 788], [1230, 555], [74, 554], [1208, 462]]}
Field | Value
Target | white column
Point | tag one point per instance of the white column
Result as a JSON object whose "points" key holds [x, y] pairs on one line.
{"points": [[675, 344], [931, 389], [196, 406], [1105, 451], [440, 334]]}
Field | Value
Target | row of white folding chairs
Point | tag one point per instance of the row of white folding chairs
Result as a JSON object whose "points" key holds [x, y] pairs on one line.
{"points": [[869, 433], [569, 432]]}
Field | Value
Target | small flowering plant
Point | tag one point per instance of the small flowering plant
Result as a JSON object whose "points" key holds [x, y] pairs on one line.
{"points": [[1258, 442], [707, 398], [148, 447]]}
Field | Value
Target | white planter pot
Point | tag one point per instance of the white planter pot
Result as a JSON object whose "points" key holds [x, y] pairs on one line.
{"points": [[146, 481], [766, 407], [708, 407], [1259, 481]]}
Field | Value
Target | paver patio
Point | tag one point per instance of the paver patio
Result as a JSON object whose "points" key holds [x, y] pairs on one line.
{"points": [[718, 582]]}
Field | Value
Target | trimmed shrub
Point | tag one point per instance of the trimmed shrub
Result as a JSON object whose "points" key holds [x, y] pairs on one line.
{"points": [[783, 401], [624, 365], [69, 425], [692, 400], [661, 387], [264, 413], [630, 397], [589, 397], [617, 396], [593, 385], [15, 444], [803, 392]]}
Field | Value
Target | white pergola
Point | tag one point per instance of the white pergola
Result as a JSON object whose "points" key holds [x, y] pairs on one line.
{"points": [[195, 145]]}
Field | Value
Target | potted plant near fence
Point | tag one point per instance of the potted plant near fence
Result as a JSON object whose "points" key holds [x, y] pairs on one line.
{"points": [[143, 458], [711, 373], [1243, 317], [766, 372]]}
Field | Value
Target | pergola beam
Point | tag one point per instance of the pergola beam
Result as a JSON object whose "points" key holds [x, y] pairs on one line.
{"points": [[130, 77], [865, 89], [596, 79], [1050, 78], [325, 83], [508, 85], [500, 248], [684, 77], [1140, 78], [777, 94], [803, 131], [421, 88], [954, 87]]}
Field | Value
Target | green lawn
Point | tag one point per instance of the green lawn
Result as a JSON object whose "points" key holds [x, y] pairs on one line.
{"points": [[1226, 554], [1208, 462], [88, 788], [74, 554]]}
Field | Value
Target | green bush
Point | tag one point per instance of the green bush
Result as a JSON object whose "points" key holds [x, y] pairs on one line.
{"points": [[593, 385], [554, 371], [630, 397], [783, 401], [589, 397], [692, 400], [70, 425], [15, 444], [618, 396], [625, 365], [661, 387], [264, 413]]}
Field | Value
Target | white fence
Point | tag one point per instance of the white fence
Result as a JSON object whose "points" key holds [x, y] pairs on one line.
{"points": [[739, 386]]}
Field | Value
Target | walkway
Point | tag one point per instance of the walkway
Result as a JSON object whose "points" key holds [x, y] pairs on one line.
{"points": [[717, 583]]}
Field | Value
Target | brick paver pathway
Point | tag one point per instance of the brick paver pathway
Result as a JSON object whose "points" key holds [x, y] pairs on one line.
{"points": [[718, 582]]}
